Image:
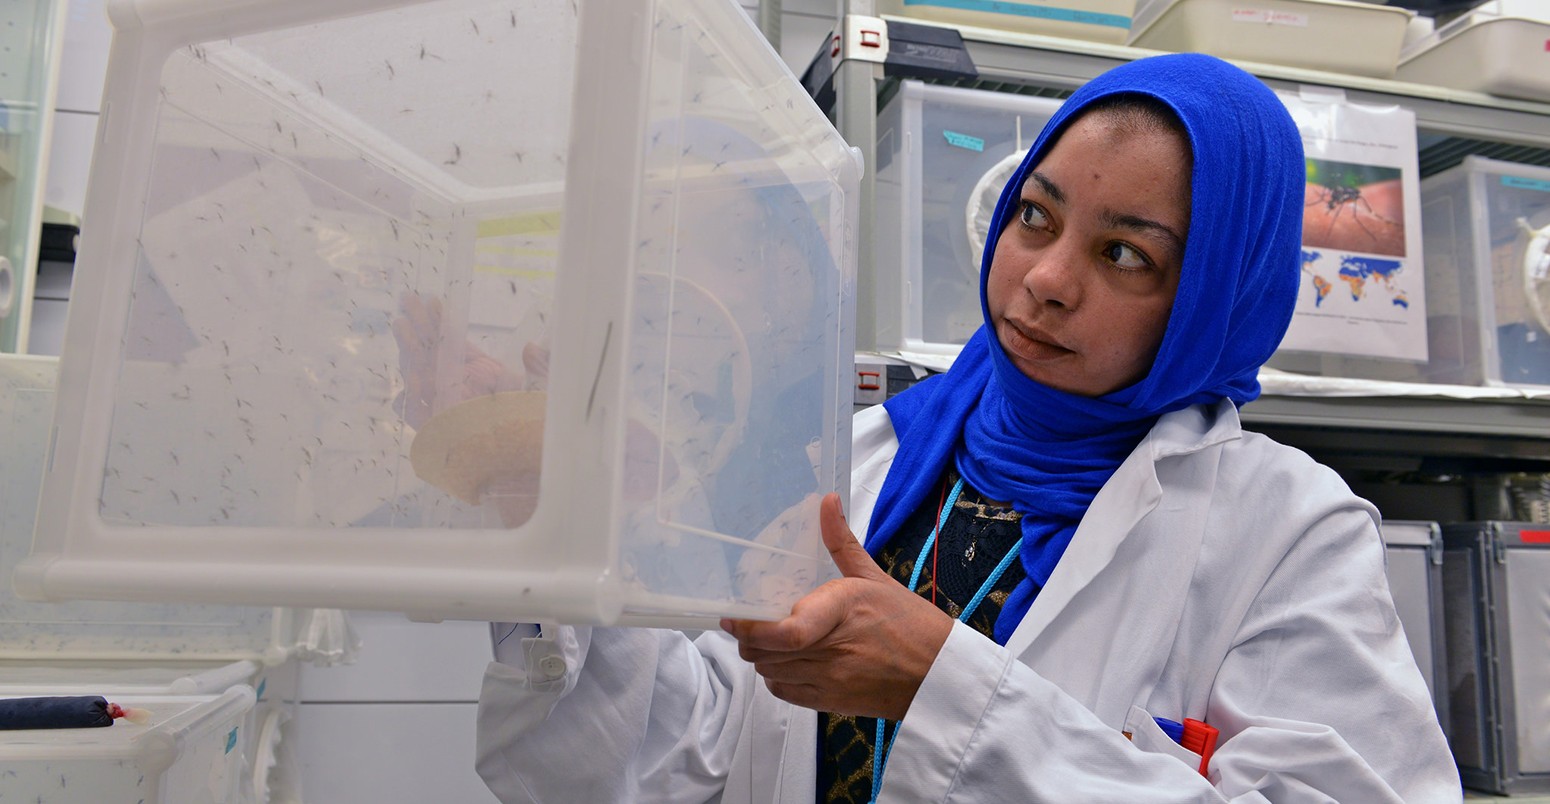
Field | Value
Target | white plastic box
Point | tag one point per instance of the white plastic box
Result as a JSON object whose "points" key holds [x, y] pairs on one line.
{"points": [[1487, 230], [189, 751], [1093, 20], [410, 306], [1332, 35], [943, 156], [1496, 48]]}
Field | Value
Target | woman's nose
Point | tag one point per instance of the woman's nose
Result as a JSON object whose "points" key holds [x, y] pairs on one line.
{"points": [[1052, 278]]}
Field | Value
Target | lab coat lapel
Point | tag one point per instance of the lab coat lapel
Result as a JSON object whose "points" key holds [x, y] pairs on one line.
{"points": [[1131, 495]]}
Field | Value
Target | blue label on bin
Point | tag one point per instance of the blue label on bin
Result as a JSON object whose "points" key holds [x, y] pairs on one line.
{"points": [[231, 740], [1526, 184], [964, 141], [1026, 10]]}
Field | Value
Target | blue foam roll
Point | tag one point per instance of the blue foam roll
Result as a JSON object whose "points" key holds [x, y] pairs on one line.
{"points": [[64, 712]]}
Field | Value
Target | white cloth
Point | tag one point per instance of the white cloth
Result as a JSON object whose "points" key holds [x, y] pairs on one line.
{"points": [[1218, 576]]}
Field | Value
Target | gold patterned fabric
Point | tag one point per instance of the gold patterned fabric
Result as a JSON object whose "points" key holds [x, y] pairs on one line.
{"points": [[977, 535]]}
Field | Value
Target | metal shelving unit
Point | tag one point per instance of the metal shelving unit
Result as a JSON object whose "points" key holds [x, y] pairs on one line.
{"points": [[1451, 124], [1455, 123]]}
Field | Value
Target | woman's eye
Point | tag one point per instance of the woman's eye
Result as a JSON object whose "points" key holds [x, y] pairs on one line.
{"points": [[1126, 257], [1032, 216]]}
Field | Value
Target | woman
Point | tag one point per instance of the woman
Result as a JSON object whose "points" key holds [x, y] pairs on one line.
{"points": [[1087, 540]]}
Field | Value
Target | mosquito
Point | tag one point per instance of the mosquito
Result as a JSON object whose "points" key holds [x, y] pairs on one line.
{"points": [[1339, 199]]}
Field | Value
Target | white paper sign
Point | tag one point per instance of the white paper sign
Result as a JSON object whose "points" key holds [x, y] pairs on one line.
{"points": [[1363, 291]]}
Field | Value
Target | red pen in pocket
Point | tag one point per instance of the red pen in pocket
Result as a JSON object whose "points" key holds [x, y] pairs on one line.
{"points": [[1193, 735], [1201, 739]]}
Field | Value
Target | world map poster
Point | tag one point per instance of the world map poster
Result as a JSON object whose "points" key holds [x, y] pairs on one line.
{"points": [[1362, 290]]}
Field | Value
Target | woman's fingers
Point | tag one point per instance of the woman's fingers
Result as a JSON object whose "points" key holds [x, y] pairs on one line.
{"points": [[849, 556]]}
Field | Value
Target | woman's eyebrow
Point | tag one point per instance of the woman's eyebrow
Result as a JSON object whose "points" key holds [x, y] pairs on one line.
{"points": [[1111, 219], [1049, 187], [1118, 220]]}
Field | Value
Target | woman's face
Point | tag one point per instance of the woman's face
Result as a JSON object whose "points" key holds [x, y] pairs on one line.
{"points": [[1083, 277]]}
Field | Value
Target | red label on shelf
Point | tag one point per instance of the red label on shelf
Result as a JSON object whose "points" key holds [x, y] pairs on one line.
{"points": [[1534, 536]]}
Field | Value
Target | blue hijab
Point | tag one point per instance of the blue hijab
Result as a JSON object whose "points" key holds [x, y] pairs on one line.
{"points": [[1049, 452]]}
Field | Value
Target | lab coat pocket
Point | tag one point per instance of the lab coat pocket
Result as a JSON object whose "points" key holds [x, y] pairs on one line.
{"points": [[1146, 735]]}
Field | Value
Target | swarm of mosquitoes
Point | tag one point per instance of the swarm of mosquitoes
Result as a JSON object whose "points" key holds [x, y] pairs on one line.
{"points": [[287, 411]]}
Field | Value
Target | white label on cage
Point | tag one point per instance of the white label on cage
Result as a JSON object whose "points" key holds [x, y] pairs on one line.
{"points": [[1267, 17]]}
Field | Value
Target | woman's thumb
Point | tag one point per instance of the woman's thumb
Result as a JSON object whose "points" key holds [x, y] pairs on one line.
{"points": [[848, 554]]}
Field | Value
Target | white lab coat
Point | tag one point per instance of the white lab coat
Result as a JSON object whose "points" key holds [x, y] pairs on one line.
{"points": [[1218, 575]]}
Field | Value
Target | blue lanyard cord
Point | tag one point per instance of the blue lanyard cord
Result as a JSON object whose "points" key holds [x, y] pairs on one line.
{"points": [[941, 520], [879, 753]]}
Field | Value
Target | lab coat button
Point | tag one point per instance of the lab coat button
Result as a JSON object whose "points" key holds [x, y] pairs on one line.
{"points": [[552, 666]]}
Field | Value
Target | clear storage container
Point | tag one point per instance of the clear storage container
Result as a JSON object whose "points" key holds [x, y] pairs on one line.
{"points": [[1497, 48], [1333, 35], [1487, 230], [943, 156], [31, 35], [1093, 20], [188, 751], [459, 308]]}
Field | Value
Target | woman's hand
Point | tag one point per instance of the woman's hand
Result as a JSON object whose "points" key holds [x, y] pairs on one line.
{"points": [[418, 332], [860, 645]]}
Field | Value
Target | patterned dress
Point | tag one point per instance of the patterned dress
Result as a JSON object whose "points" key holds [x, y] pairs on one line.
{"points": [[976, 536]]}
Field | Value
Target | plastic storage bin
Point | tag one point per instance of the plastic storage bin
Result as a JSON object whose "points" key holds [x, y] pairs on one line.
{"points": [[1415, 581], [188, 752], [32, 35], [1093, 20], [1497, 48], [1333, 35], [1487, 229], [413, 307], [1496, 580], [943, 156]]}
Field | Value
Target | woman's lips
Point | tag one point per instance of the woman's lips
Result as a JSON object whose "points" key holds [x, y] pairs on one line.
{"points": [[1030, 343]]}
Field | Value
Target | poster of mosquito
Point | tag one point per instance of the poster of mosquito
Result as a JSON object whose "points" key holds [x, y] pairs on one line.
{"points": [[1352, 207]]}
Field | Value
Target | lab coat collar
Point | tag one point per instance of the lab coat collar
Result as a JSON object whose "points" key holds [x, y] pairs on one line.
{"points": [[1130, 495]]}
